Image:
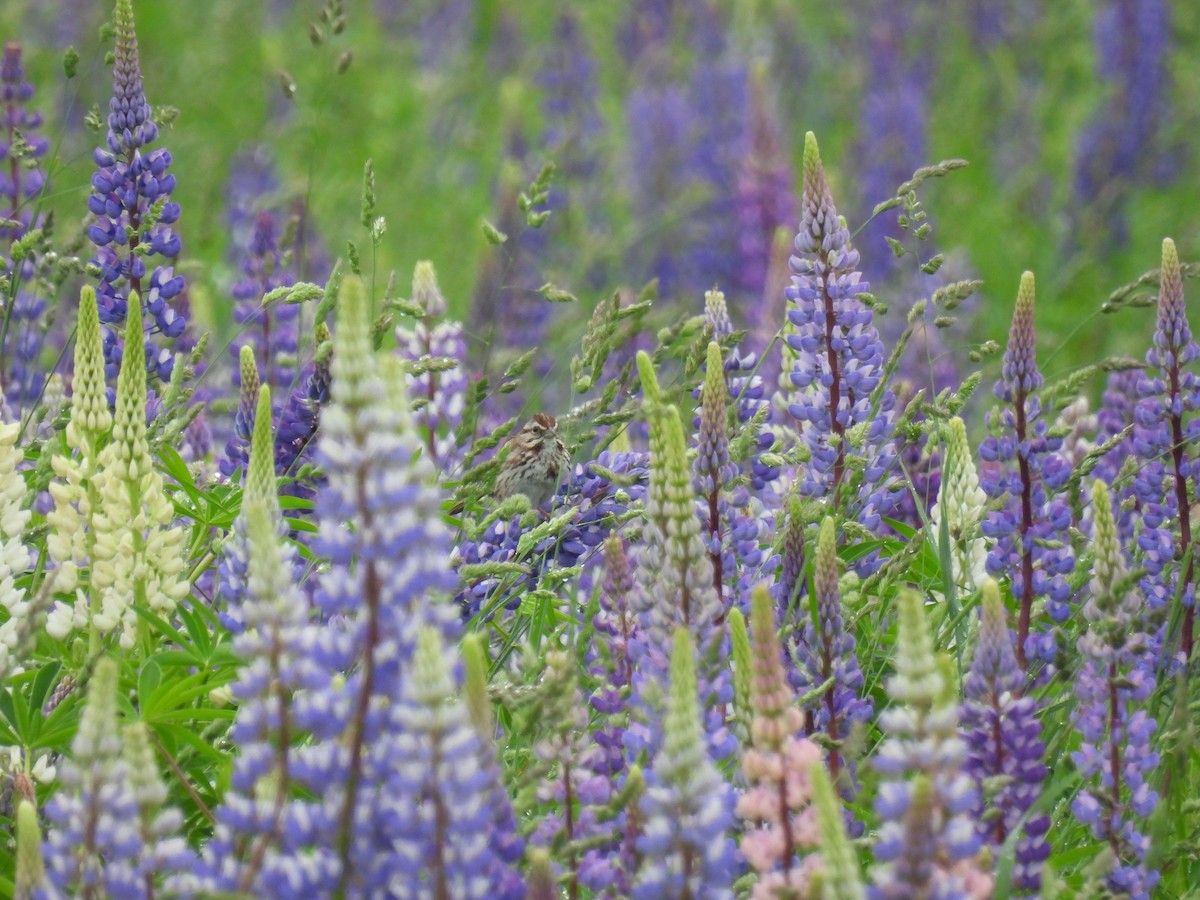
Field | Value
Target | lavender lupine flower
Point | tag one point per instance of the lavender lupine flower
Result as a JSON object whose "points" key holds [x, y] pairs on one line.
{"points": [[955, 518], [1165, 424], [233, 564], [252, 188], [574, 126], [503, 840], [829, 653], [714, 473], [108, 833], [271, 331], [132, 205], [747, 391], [780, 821], [600, 494], [1030, 526], [441, 792], [687, 808], [563, 780], [719, 95], [766, 201], [613, 665], [238, 446], [659, 124], [1005, 747], [300, 419], [1116, 413], [22, 182], [387, 579], [1116, 757], [925, 801], [248, 851], [442, 391], [894, 122], [15, 557], [839, 362], [1133, 46]]}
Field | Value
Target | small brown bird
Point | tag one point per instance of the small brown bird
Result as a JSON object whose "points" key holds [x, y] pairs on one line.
{"points": [[536, 463]]}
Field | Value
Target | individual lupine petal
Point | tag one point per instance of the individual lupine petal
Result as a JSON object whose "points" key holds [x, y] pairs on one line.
{"points": [[1005, 753], [838, 361], [829, 653], [922, 744], [15, 556], [687, 808], [439, 789], [1116, 757], [138, 551], [127, 187]]}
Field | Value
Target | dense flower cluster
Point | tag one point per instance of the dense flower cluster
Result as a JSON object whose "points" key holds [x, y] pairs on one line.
{"points": [[22, 185], [1026, 474], [717, 654], [838, 361], [1005, 748], [1115, 756], [1165, 423], [131, 201]]}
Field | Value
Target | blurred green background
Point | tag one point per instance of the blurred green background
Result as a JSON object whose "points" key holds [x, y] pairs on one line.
{"points": [[1011, 87]]}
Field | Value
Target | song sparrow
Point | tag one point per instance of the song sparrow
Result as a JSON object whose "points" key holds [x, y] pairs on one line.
{"points": [[536, 462]]}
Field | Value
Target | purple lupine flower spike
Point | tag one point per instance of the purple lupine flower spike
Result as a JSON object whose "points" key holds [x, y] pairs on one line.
{"points": [[927, 843], [1005, 747], [1132, 40], [1116, 757], [270, 331], [22, 183], [1030, 525], [131, 202], [829, 653], [1165, 426], [839, 360]]}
